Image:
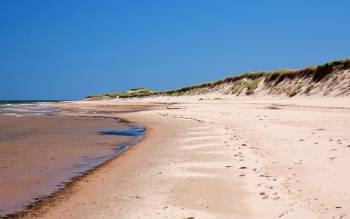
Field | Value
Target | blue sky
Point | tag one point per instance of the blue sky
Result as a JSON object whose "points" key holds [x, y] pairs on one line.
{"points": [[68, 49]]}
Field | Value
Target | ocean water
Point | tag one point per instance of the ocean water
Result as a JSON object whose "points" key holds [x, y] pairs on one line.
{"points": [[26, 107], [27, 101]]}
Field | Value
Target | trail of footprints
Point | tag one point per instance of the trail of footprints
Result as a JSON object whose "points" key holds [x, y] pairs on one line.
{"points": [[204, 138]]}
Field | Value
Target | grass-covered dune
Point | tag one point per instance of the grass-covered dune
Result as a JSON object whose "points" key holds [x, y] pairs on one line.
{"points": [[249, 82], [331, 78], [135, 92]]}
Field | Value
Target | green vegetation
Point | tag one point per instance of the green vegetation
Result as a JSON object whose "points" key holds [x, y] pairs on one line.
{"points": [[237, 86], [309, 88], [242, 87], [139, 92], [251, 82], [252, 85], [316, 73], [255, 75], [293, 93], [136, 92]]}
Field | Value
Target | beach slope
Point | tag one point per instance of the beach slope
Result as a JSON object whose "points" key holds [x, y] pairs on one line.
{"points": [[224, 157]]}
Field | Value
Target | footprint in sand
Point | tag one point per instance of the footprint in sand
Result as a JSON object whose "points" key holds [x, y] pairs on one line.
{"points": [[333, 158], [263, 195]]}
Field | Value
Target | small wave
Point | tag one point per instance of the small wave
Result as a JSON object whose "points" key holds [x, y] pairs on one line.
{"points": [[15, 109], [37, 114], [12, 114], [27, 109], [44, 111]]}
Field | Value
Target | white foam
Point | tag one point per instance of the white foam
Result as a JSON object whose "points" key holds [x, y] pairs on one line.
{"points": [[10, 114]]}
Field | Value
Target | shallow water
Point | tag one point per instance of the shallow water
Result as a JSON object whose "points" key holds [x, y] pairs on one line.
{"points": [[130, 132], [40, 153], [21, 108]]}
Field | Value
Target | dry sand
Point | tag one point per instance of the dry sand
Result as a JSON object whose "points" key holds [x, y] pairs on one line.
{"points": [[259, 157]]}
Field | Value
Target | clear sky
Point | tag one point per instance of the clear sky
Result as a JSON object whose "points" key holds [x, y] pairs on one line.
{"points": [[68, 49]]}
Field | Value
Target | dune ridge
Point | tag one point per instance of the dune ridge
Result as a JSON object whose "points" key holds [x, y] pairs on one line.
{"points": [[329, 79]]}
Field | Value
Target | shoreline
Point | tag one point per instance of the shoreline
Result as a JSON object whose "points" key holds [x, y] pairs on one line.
{"points": [[212, 159], [38, 208], [39, 203], [42, 205], [154, 132]]}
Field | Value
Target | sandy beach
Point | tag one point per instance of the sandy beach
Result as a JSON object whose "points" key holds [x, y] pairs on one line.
{"points": [[175, 110], [221, 157]]}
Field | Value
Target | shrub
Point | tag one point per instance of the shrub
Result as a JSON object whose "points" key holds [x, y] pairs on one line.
{"points": [[293, 93], [237, 86], [252, 85], [309, 88]]}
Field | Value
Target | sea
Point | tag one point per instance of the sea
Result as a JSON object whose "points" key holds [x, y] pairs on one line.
{"points": [[26, 107]]}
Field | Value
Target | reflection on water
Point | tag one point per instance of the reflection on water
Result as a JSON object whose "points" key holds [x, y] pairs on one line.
{"points": [[130, 132]]}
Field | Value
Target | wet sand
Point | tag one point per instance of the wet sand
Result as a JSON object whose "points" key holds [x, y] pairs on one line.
{"points": [[38, 154]]}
